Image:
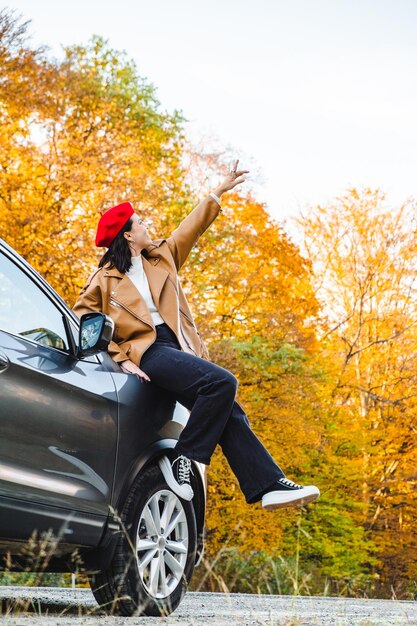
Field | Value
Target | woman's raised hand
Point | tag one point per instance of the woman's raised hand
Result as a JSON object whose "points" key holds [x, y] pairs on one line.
{"points": [[233, 178], [130, 368]]}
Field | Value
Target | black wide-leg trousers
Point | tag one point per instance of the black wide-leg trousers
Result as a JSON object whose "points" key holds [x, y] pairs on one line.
{"points": [[209, 391]]}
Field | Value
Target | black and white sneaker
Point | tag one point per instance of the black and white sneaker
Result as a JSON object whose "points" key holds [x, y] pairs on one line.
{"points": [[177, 475], [287, 493]]}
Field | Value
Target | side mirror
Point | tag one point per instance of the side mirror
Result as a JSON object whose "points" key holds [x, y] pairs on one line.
{"points": [[96, 331]]}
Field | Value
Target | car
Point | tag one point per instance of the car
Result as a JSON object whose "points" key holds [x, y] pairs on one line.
{"points": [[80, 485]]}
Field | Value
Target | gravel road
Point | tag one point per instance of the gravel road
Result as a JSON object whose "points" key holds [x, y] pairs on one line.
{"points": [[56, 606]]}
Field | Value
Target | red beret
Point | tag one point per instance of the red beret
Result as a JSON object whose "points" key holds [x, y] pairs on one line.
{"points": [[112, 222]]}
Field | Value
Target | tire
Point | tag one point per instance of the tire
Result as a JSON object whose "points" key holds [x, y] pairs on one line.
{"points": [[155, 555]]}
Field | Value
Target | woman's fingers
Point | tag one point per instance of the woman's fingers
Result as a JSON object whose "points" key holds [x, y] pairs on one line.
{"points": [[234, 166], [236, 174], [130, 368], [241, 179], [142, 376]]}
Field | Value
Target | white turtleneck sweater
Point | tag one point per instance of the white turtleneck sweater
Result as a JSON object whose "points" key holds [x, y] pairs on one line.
{"points": [[139, 279]]}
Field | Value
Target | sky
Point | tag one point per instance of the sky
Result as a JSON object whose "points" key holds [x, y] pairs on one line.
{"points": [[313, 96]]}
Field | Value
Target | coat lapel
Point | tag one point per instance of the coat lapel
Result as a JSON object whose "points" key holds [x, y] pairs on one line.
{"points": [[156, 278], [163, 292], [125, 293]]}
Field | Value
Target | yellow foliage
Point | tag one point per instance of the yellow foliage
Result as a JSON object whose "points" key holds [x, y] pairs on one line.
{"points": [[364, 257]]}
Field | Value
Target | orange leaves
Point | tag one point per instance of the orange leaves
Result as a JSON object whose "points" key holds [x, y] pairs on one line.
{"points": [[92, 137], [253, 301], [364, 260], [255, 281]]}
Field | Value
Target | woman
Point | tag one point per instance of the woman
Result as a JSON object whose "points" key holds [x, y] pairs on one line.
{"points": [[155, 339]]}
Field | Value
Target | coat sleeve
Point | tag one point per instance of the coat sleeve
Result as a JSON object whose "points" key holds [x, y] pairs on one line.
{"points": [[191, 228], [90, 300]]}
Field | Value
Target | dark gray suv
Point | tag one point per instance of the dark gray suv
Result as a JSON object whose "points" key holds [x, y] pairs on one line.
{"points": [[79, 448]]}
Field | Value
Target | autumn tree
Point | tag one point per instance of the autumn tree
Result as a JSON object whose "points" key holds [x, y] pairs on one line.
{"points": [[364, 259], [250, 289], [89, 136]]}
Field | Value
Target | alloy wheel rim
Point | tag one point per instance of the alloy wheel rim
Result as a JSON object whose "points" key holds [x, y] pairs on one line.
{"points": [[162, 543]]}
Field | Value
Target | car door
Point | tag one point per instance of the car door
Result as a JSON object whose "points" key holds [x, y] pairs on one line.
{"points": [[58, 416]]}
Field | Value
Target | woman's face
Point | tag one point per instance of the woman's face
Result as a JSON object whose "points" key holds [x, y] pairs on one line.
{"points": [[137, 236]]}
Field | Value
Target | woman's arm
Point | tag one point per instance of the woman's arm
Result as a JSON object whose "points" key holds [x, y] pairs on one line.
{"points": [[196, 223]]}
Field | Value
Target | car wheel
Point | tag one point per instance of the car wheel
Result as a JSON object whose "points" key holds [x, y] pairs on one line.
{"points": [[155, 554]]}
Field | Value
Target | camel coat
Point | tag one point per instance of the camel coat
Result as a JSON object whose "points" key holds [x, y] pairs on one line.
{"points": [[113, 293]]}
